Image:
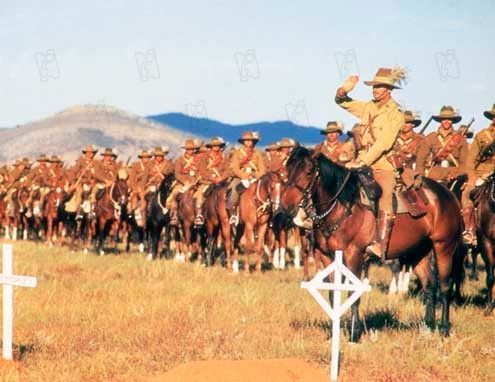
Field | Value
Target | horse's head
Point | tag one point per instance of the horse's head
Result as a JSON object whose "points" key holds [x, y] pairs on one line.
{"points": [[166, 183], [272, 182], [120, 191], [301, 174]]}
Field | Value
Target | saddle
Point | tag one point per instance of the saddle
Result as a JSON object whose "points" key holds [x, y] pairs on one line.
{"points": [[405, 200]]}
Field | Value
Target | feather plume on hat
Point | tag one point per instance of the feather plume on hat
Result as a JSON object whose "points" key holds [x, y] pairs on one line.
{"points": [[399, 75]]}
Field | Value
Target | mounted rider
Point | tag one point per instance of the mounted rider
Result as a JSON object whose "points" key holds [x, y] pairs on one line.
{"points": [[273, 161], [480, 164], [186, 170], [332, 147], [381, 121], [442, 154], [247, 166], [403, 154], [213, 169], [83, 175], [107, 172]]}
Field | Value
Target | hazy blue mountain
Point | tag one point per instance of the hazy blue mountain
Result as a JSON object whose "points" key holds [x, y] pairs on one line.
{"points": [[269, 131]]}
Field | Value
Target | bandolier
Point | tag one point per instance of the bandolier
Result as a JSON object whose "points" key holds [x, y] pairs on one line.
{"points": [[213, 169], [480, 164]]}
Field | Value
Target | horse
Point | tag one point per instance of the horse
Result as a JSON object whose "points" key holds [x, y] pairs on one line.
{"points": [[484, 197], [158, 216], [108, 210], [192, 236], [51, 208], [430, 243], [255, 211], [217, 223]]}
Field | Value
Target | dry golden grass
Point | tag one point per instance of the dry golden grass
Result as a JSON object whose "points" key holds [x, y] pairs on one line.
{"points": [[119, 318]]}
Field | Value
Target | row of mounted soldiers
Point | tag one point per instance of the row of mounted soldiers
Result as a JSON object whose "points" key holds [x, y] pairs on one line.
{"points": [[443, 155]]}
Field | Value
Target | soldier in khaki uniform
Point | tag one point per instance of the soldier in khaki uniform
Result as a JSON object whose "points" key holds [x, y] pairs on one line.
{"points": [[247, 166], [138, 171], [213, 169], [403, 154], [186, 170], [480, 164], [332, 147], [83, 180], [57, 176], [159, 167], [444, 150], [106, 172], [38, 179], [272, 157], [381, 122]]}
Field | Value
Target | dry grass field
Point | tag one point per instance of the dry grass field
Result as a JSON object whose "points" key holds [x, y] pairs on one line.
{"points": [[119, 318]]}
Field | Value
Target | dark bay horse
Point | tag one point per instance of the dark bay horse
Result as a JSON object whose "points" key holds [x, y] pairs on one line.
{"points": [[108, 209], [157, 217], [342, 222], [217, 222], [485, 231], [192, 237]]}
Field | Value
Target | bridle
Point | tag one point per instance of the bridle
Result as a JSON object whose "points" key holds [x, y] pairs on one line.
{"points": [[307, 198], [264, 204]]}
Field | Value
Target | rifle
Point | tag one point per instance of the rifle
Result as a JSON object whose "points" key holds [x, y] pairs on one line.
{"points": [[128, 160], [426, 125]]}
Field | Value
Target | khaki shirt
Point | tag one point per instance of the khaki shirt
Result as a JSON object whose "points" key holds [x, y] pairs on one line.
{"points": [[155, 172], [339, 152], [475, 165], [186, 169], [138, 173], [273, 161], [213, 168], [452, 166], [39, 176], [85, 169], [380, 127], [106, 172], [247, 165], [403, 154]]}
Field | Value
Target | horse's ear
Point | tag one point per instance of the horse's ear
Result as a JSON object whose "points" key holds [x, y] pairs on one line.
{"points": [[313, 154]]}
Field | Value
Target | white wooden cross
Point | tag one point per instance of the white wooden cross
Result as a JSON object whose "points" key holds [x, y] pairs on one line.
{"points": [[351, 284], [9, 281]]}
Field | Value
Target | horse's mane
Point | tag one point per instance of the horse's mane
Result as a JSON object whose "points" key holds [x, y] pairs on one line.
{"points": [[166, 182], [332, 177]]}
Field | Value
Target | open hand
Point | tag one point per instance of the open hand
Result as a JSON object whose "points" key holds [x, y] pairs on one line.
{"points": [[350, 83]]}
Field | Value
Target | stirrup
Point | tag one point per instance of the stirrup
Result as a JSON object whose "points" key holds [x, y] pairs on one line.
{"points": [[374, 253], [469, 238]]}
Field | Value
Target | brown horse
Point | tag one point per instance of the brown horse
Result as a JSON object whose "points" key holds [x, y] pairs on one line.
{"points": [[255, 210], [192, 237], [342, 222], [108, 210], [485, 231], [51, 205], [217, 222]]}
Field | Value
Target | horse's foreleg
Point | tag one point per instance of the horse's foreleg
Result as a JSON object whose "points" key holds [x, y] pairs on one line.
{"points": [[260, 241], [227, 242], [249, 238], [487, 253]]}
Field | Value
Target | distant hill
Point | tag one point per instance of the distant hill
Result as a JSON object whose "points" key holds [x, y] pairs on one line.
{"points": [[269, 131], [67, 132]]}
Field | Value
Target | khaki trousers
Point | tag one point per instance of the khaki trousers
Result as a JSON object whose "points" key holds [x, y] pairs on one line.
{"points": [[386, 180]]}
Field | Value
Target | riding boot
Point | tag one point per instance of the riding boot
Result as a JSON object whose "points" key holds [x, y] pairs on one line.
{"points": [[383, 230], [469, 236]]}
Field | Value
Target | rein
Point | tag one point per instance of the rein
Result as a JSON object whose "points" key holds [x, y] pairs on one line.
{"points": [[264, 203]]}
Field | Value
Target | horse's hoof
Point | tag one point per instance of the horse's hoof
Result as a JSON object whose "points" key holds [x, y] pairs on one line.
{"points": [[473, 277], [85, 251], [235, 266], [141, 248], [149, 257], [102, 252], [444, 330]]}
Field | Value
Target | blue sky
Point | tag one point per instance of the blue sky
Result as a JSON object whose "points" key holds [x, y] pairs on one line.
{"points": [[300, 51]]}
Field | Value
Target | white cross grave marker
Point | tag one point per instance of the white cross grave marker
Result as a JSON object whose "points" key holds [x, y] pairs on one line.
{"points": [[9, 281], [351, 284]]}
